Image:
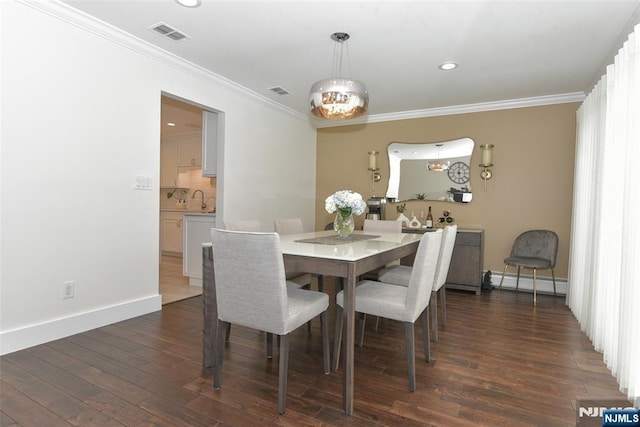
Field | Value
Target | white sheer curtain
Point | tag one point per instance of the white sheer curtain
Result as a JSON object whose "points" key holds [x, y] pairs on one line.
{"points": [[604, 265]]}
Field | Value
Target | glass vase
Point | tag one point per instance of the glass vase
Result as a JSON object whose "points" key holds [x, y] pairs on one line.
{"points": [[343, 224]]}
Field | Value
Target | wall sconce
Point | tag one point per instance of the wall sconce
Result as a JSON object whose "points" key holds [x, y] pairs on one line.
{"points": [[373, 167], [487, 162]]}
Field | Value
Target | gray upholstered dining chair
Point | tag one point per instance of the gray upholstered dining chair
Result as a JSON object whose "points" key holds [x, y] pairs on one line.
{"points": [[285, 226], [535, 250], [400, 275], [372, 226], [301, 280], [251, 291], [401, 303], [380, 225], [243, 225]]}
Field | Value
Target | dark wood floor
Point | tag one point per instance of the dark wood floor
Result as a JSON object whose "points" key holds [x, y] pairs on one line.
{"points": [[499, 361]]}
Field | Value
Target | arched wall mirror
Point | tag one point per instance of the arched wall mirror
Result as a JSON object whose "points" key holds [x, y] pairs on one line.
{"points": [[433, 171]]}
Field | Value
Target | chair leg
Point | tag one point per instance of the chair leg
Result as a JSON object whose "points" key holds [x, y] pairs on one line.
{"points": [[307, 287], [425, 334], [411, 355], [320, 283], [518, 280], [269, 345], [553, 277], [443, 303], [227, 332], [282, 371], [326, 356], [219, 355], [375, 328], [362, 318], [433, 303], [337, 341], [534, 286], [502, 279]]}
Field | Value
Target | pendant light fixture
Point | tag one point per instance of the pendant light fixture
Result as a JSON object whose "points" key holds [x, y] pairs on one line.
{"points": [[338, 98], [438, 165]]}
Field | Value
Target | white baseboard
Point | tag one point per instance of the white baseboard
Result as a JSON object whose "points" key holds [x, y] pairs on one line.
{"points": [[544, 284], [32, 335]]}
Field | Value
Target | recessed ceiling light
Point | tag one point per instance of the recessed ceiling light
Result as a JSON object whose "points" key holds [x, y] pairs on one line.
{"points": [[189, 3], [170, 124], [448, 66]]}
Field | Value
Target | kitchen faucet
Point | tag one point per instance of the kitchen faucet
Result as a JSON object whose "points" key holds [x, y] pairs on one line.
{"points": [[203, 205]]}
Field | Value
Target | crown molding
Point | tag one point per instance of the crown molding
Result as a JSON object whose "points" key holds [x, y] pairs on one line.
{"points": [[100, 28], [82, 20], [460, 109]]}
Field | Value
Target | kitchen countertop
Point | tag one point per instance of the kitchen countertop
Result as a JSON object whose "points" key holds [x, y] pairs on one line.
{"points": [[187, 212]]}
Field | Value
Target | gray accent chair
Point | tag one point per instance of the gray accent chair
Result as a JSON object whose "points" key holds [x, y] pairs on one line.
{"points": [[400, 276], [535, 250], [252, 291], [401, 303]]}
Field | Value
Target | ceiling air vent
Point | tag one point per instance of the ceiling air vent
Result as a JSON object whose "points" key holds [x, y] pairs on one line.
{"points": [[278, 90], [168, 31]]}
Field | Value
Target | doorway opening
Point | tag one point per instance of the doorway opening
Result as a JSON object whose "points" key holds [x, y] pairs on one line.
{"points": [[183, 190]]}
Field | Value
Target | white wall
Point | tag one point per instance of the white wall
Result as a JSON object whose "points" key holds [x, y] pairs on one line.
{"points": [[80, 114]]}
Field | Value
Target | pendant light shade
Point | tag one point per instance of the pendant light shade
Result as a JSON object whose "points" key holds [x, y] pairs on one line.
{"points": [[438, 165], [338, 98]]}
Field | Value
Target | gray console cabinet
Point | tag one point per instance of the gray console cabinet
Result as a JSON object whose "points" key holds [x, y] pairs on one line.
{"points": [[465, 271]]}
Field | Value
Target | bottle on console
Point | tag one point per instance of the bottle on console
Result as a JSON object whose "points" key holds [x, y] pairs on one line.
{"points": [[429, 219]]}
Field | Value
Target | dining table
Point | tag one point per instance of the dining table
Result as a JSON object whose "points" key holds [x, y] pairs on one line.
{"points": [[323, 253]]}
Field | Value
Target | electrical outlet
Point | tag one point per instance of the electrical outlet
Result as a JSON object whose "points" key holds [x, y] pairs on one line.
{"points": [[68, 289]]}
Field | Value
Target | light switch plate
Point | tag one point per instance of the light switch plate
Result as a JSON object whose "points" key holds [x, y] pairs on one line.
{"points": [[142, 183]]}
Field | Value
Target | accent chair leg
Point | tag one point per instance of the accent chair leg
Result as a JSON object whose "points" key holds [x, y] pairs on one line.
{"points": [[337, 341], [502, 279], [518, 280], [282, 371], [534, 286], [553, 277], [411, 355]]}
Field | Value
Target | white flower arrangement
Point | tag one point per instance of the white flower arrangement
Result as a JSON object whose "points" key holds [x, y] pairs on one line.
{"points": [[346, 201]]}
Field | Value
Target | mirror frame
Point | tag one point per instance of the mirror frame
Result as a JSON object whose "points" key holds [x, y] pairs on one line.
{"points": [[453, 149]]}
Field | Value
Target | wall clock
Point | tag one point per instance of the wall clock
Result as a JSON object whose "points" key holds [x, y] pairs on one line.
{"points": [[459, 173]]}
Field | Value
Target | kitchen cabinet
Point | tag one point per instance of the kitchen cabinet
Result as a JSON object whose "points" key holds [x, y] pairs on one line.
{"points": [[190, 154], [168, 164], [197, 230], [171, 233]]}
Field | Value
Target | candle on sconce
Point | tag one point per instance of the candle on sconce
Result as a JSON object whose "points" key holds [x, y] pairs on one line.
{"points": [[373, 160], [487, 154]]}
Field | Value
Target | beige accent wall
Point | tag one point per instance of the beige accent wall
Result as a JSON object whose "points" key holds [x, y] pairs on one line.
{"points": [[532, 180]]}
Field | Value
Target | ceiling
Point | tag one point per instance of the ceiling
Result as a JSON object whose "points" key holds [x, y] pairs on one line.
{"points": [[506, 50]]}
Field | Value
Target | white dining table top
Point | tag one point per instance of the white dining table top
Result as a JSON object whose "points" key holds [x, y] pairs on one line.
{"points": [[351, 251]]}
